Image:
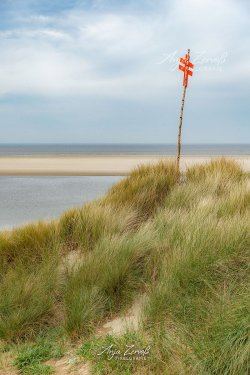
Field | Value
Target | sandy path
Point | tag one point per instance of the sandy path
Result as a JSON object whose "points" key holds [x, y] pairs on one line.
{"points": [[92, 165], [71, 364]]}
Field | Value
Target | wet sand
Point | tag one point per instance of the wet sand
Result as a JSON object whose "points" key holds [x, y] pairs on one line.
{"points": [[94, 165]]}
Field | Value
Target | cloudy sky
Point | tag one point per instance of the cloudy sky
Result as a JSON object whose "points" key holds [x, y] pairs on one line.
{"points": [[106, 70]]}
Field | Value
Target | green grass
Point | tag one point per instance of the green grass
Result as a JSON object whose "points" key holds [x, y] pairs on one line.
{"points": [[186, 244], [27, 301], [30, 358]]}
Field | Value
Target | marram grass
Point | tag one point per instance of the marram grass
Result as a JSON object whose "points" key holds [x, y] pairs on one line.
{"points": [[184, 243]]}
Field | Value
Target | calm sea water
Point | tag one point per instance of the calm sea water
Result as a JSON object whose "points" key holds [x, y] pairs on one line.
{"points": [[122, 149], [25, 199]]}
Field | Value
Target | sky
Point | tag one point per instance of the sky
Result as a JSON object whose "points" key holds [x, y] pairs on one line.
{"points": [[106, 71]]}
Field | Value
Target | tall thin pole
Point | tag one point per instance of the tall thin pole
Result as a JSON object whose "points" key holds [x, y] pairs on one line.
{"points": [[180, 127], [181, 116]]}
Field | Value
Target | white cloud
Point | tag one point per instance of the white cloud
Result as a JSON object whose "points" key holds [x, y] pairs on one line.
{"points": [[116, 54]]}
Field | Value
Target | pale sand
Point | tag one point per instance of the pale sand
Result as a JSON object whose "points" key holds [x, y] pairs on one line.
{"points": [[93, 165]]}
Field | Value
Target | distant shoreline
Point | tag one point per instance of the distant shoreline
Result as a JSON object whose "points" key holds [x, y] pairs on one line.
{"points": [[125, 149], [96, 165]]}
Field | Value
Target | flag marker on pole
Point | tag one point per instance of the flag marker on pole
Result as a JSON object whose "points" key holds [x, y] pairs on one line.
{"points": [[187, 68]]}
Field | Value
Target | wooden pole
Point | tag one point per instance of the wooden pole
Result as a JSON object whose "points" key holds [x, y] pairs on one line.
{"points": [[180, 125]]}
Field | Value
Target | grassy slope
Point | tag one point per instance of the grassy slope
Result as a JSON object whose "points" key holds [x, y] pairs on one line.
{"points": [[186, 245]]}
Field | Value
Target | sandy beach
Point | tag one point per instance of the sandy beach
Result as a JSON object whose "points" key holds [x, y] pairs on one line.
{"points": [[93, 165]]}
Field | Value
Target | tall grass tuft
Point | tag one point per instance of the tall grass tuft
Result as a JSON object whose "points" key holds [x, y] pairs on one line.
{"points": [[106, 281], [145, 189], [83, 228], [27, 301], [224, 168], [29, 244]]}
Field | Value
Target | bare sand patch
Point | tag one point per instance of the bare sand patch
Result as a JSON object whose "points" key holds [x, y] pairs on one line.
{"points": [[130, 320], [94, 165]]}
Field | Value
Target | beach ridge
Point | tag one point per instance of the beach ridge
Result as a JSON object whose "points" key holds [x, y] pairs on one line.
{"points": [[96, 165]]}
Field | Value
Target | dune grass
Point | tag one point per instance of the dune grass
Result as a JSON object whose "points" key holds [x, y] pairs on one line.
{"points": [[184, 243]]}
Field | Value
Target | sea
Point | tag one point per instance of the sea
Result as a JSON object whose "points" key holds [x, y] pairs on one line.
{"points": [[27, 199], [122, 149]]}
